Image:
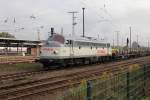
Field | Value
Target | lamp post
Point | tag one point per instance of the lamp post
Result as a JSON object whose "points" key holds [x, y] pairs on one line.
{"points": [[130, 40], [83, 22]]}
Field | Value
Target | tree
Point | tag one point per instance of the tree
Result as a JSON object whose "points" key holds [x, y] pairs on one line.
{"points": [[6, 35]]}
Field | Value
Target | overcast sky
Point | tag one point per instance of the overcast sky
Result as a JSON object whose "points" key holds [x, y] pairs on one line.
{"points": [[102, 17]]}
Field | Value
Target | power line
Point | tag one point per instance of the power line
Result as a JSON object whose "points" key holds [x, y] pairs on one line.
{"points": [[104, 9]]}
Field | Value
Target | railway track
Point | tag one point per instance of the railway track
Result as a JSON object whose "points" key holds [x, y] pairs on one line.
{"points": [[60, 81], [18, 76], [22, 75]]}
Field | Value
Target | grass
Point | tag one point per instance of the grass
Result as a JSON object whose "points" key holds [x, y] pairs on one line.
{"points": [[26, 66], [19, 67]]}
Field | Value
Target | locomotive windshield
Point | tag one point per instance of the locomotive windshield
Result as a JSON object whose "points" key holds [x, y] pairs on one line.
{"points": [[55, 41], [57, 38], [52, 44]]}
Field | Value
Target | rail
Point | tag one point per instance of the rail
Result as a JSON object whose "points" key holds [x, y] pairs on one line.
{"points": [[55, 83], [130, 84]]}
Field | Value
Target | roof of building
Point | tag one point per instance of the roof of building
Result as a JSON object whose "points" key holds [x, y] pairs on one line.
{"points": [[12, 42]]}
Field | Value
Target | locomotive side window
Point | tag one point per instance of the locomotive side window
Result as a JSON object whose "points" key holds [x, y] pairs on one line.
{"points": [[79, 47], [102, 44], [108, 45], [71, 42], [80, 43]]}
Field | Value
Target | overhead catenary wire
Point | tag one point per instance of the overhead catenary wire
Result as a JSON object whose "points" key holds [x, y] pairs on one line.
{"points": [[104, 9]]}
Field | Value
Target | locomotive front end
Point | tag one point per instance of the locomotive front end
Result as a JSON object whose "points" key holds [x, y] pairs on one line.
{"points": [[50, 51]]}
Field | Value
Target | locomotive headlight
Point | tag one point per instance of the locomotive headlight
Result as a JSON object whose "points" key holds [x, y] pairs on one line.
{"points": [[55, 52]]}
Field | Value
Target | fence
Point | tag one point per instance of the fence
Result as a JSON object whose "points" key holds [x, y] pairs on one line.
{"points": [[130, 84]]}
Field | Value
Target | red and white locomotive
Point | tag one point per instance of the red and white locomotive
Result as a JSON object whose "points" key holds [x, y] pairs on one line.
{"points": [[63, 50]]}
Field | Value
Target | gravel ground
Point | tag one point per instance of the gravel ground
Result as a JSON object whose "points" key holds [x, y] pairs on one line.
{"points": [[23, 67]]}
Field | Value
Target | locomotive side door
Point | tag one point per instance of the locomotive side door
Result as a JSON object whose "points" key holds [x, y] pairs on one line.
{"points": [[71, 48], [70, 45]]}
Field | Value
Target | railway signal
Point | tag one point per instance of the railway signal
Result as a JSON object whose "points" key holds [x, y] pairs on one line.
{"points": [[127, 42], [130, 40]]}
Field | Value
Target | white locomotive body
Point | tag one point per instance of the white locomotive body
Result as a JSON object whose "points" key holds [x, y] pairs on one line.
{"points": [[62, 50]]}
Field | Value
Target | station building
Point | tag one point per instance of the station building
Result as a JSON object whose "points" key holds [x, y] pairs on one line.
{"points": [[11, 46]]}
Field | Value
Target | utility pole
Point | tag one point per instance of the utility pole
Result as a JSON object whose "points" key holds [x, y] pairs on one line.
{"points": [[62, 31], [98, 36], [38, 32], [130, 40], [137, 39], [117, 39], [122, 42], [113, 43], [137, 42], [73, 21], [113, 40], [83, 22], [148, 45], [38, 47]]}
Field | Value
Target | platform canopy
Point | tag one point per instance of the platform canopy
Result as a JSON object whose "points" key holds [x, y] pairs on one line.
{"points": [[12, 42]]}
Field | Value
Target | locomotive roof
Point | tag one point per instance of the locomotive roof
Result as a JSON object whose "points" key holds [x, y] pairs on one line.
{"points": [[84, 39]]}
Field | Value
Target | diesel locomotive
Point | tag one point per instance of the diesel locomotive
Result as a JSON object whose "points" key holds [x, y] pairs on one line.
{"points": [[62, 50]]}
